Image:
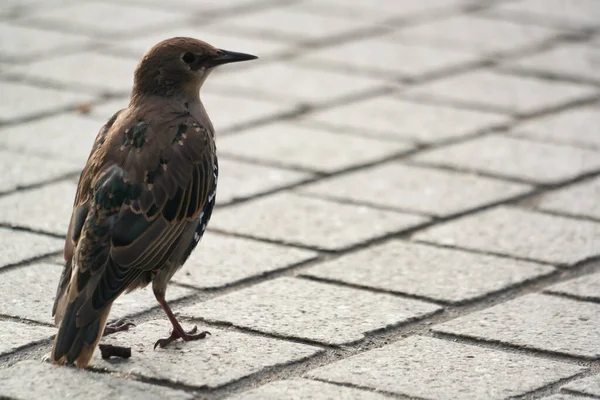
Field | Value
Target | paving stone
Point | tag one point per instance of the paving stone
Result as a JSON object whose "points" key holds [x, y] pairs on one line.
{"points": [[103, 112], [586, 287], [394, 57], [211, 33], [105, 18], [562, 397], [445, 275], [575, 127], [576, 61], [27, 43], [293, 307], [516, 232], [24, 170], [238, 180], [477, 34], [544, 163], [323, 224], [589, 386], [221, 260], [28, 292], [63, 137], [16, 335], [208, 6], [34, 380], [17, 246], [575, 13], [507, 93], [438, 369], [52, 215], [524, 322], [221, 358], [290, 83], [23, 101], [578, 200], [305, 389], [307, 147], [417, 189], [392, 117], [92, 70], [384, 10], [291, 23]]}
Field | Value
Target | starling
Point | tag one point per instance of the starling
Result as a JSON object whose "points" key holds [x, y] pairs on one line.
{"points": [[144, 197]]}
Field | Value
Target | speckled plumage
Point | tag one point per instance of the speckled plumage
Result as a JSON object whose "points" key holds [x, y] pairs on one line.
{"points": [[144, 196]]}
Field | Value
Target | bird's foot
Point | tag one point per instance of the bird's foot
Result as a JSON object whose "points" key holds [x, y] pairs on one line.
{"points": [[186, 337], [119, 325]]}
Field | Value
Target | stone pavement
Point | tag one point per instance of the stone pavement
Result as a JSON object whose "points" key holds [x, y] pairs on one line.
{"points": [[409, 202]]}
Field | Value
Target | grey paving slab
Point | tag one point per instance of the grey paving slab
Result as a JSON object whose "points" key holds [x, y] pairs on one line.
{"points": [[292, 23], [209, 6], [396, 118], [105, 18], [28, 292], [523, 322], [560, 396], [17, 246], [578, 61], [24, 101], [35, 380], [221, 260], [438, 369], [291, 83], [16, 335], [221, 358], [510, 157], [580, 200], [305, 389], [292, 307], [307, 147], [103, 111], [219, 37], [587, 386], [395, 57], [502, 92], [66, 137], [446, 275], [384, 10], [586, 287], [417, 189], [25, 209], [480, 35], [516, 232], [91, 70], [238, 179], [30, 43], [21, 170], [575, 14], [575, 127], [318, 223]]}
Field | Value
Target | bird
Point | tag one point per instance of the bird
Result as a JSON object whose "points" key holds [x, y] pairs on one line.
{"points": [[144, 198]]}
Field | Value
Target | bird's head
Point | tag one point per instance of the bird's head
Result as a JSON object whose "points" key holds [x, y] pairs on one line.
{"points": [[179, 66]]}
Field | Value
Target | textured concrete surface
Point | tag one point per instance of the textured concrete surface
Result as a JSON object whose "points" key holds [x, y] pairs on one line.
{"points": [[291, 307], [221, 358], [407, 202], [416, 189], [421, 270], [523, 322], [450, 369], [515, 232], [30, 379]]}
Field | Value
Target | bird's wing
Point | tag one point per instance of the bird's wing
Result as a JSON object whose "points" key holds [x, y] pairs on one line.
{"points": [[174, 161]]}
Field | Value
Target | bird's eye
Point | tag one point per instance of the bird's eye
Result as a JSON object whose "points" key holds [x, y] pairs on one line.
{"points": [[188, 58]]}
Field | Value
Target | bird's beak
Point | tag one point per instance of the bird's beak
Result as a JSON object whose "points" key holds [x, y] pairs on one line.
{"points": [[226, 57]]}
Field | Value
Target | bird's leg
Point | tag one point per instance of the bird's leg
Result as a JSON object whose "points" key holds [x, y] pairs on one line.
{"points": [[119, 325], [177, 332]]}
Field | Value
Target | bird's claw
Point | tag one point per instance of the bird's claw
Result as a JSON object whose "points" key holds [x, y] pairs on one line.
{"points": [[186, 337], [119, 325]]}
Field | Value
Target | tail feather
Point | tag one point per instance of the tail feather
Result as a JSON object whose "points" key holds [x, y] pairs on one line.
{"points": [[75, 344]]}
